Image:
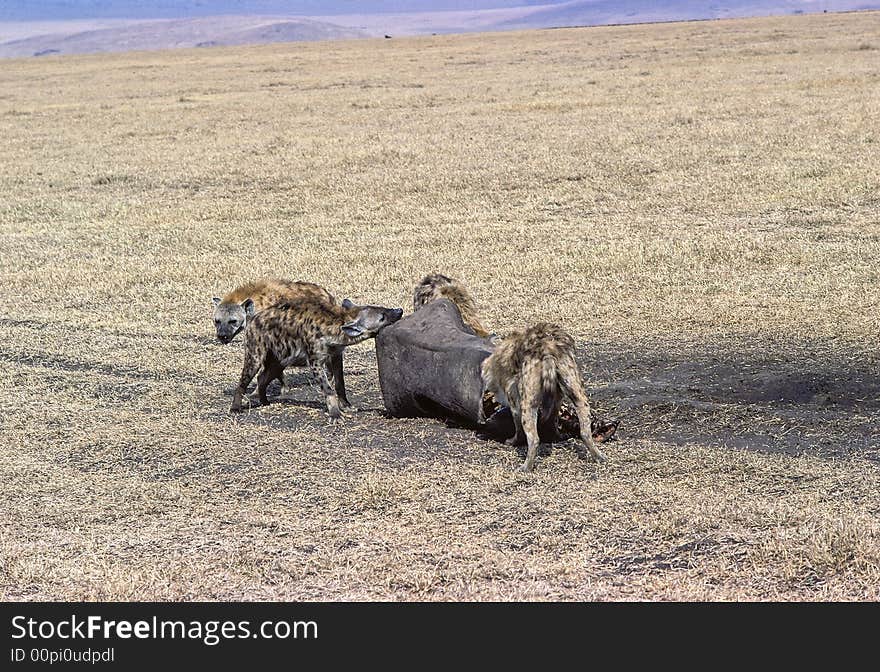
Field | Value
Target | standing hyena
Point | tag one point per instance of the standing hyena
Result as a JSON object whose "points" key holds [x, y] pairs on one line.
{"points": [[532, 372], [437, 286], [308, 332], [232, 312]]}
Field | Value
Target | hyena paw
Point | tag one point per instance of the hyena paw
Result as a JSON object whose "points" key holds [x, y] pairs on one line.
{"points": [[526, 468]]}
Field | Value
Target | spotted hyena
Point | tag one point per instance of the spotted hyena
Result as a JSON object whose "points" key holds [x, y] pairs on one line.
{"points": [[308, 332], [437, 286], [533, 372], [232, 312]]}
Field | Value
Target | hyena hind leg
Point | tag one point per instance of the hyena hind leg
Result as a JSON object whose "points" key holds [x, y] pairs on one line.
{"points": [[271, 371], [530, 427], [571, 380], [529, 405]]}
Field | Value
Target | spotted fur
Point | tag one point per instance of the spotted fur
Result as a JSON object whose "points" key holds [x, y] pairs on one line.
{"points": [[307, 332], [232, 312], [437, 286], [533, 372]]}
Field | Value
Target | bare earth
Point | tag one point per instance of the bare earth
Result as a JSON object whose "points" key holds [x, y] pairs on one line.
{"points": [[697, 203]]}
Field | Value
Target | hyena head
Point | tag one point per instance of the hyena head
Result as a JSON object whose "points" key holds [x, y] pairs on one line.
{"points": [[369, 320], [230, 318], [426, 290]]}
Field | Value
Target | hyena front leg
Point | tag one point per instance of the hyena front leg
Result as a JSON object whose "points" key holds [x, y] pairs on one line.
{"points": [[248, 371], [319, 371], [511, 398], [335, 370], [571, 379]]}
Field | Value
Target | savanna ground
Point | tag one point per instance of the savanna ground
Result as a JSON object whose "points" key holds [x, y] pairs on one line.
{"points": [[697, 203]]}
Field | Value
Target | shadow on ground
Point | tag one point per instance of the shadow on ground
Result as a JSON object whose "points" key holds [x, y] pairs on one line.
{"points": [[734, 395], [784, 396], [790, 397]]}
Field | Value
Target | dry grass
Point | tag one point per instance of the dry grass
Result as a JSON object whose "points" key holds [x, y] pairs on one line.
{"points": [[697, 203]]}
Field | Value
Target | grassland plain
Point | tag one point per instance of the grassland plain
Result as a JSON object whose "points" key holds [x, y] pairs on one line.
{"points": [[697, 203]]}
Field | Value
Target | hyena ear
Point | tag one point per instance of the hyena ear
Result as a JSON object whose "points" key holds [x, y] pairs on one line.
{"points": [[352, 329], [248, 305], [347, 303], [216, 301]]}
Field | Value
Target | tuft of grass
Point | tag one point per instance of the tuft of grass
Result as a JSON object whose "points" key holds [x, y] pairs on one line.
{"points": [[103, 180]]}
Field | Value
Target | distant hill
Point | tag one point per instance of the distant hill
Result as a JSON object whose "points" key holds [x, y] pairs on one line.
{"points": [[604, 12], [83, 26], [175, 33]]}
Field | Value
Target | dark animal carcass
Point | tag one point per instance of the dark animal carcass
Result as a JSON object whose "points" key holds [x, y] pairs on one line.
{"points": [[429, 365]]}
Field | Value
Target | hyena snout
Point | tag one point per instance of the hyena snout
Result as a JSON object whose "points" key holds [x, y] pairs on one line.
{"points": [[226, 332], [390, 316], [370, 320], [227, 329]]}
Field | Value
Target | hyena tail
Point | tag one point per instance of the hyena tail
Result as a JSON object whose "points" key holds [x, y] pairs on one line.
{"points": [[549, 388]]}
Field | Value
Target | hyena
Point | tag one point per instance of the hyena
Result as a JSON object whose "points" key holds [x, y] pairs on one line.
{"points": [[437, 286], [308, 332], [533, 372], [232, 312]]}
